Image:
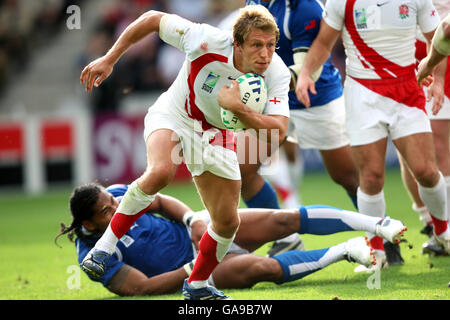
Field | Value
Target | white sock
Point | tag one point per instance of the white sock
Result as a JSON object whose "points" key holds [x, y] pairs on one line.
{"points": [[334, 254], [133, 202], [447, 184], [435, 198], [354, 220], [107, 242], [371, 205]]}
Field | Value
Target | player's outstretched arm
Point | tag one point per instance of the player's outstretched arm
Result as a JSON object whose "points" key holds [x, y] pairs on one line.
{"points": [[174, 209], [317, 55], [129, 281], [100, 69]]}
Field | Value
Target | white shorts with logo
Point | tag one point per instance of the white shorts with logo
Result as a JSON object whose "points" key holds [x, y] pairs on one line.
{"points": [[321, 127], [372, 117], [202, 150]]}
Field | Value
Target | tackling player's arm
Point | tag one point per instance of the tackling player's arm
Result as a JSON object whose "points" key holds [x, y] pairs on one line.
{"points": [[317, 55], [99, 69], [169, 207], [174, 209], [129, 281]]}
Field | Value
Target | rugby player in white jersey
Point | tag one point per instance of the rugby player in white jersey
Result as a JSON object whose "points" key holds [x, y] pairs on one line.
{"points": [[440, 126], [186, 119], [383, 98]]}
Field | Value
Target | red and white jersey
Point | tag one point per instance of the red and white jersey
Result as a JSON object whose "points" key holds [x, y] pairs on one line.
{"points": [[209, 66], [379, 35]]}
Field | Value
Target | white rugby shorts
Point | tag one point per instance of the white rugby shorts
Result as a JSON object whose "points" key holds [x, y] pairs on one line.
{"points": [[320, 127], [371, 117], [443, 114], [203, 150]]}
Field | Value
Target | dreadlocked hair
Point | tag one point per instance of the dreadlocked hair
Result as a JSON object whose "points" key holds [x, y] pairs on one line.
{"points": [[81, 205]]}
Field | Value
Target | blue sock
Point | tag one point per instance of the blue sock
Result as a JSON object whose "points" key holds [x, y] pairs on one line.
{"points": [[326, 220], [265, 198], [298, 264], [354, 200]]}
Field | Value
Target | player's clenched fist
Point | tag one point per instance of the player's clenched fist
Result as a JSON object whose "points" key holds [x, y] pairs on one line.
{"points": [[95, 72]]}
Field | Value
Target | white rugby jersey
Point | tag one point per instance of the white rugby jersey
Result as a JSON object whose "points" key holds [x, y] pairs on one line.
{"points": [[379, 35], [443, 7], [209, 66]]}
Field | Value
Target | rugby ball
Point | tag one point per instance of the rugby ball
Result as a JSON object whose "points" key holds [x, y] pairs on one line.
{"points": [[253, 94]]}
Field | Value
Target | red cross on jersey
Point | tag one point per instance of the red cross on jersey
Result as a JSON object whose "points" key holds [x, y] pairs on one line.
{"points": [[274, 100]]}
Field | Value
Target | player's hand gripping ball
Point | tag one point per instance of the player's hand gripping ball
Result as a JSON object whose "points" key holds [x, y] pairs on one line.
{"points": [[253, 94]]}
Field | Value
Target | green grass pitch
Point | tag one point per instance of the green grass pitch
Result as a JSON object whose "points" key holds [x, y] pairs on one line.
{"points": [[32, 267]]}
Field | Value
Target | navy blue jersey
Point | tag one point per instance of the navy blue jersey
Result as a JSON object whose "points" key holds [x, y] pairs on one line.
{"points": [[299, 22], [153, 245]]}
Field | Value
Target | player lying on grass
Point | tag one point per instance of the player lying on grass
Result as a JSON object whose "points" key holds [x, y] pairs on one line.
{"points": [[157, 254]]}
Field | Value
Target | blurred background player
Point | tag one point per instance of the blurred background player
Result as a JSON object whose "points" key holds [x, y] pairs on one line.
{"points": [[321, 127], [157, 253], [186, 119], [382, 98], [440, 126]]}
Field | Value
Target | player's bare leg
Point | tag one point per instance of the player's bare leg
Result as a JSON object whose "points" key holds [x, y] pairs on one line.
{"points": [[245, 270], [419, 154], [342, 169], [370, 160], [220, 197], [418, 206], [256, 191], [259, 226]]}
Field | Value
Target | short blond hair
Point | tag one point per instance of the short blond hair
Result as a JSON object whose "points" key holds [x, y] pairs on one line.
{"points": [[254, 17]]}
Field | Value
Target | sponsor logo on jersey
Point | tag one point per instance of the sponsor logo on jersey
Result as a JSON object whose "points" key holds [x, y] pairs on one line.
{"points": [[210, 82], [403, 11], [360, 18]]}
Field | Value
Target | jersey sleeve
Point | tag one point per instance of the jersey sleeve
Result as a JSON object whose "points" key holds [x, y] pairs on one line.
{"points": [[112, 266], [427, 16], [277, 80], [185, 35], [305, 23], [334, 14]]}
